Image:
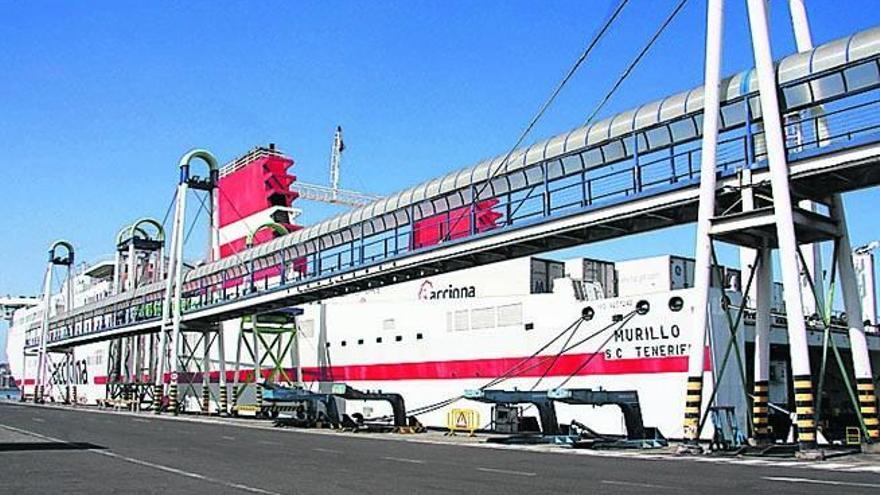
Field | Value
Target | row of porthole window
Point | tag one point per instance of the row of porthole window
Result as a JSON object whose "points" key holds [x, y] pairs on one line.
{"points": [[397, 338]]}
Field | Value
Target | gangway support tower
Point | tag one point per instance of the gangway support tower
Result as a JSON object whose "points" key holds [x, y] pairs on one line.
{"points": [[195, 368], [174, 357], [843, 256], [270, 340], [774, 223], [61, 253], [140, 260]]}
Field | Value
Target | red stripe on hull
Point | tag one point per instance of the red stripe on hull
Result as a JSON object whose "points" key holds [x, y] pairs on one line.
{"points": [[571, 364]]}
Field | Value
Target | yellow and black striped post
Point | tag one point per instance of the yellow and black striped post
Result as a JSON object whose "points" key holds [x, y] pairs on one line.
{"points": [[761, 410], [806, 411], [868, 408], [157, 398], [692, 404], [206, 399], [172, 398], [224, 401], [259, 394]]}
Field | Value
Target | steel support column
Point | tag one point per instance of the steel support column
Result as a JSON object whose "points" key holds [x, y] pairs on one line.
{"points": [[778, 163], [703, 265]]}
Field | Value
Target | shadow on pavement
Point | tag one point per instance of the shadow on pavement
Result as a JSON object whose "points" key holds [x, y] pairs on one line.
{"points": [[43, 446]]}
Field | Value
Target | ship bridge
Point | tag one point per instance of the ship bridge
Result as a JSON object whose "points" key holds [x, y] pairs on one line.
{"points": [[634, 172]]}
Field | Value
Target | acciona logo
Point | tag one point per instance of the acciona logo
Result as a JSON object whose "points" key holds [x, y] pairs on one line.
{"points": [[427, 291]]}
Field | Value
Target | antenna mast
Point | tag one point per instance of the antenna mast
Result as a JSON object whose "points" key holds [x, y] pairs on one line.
{"points": [[333, 194]]}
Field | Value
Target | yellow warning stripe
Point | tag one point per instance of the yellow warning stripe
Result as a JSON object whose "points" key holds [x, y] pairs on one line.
{"points": [[695, 386], [865, 386], [872, 421], [803, 397]]}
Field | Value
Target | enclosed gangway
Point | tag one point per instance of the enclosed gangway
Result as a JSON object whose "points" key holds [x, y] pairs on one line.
{"points": [[634, 172]]}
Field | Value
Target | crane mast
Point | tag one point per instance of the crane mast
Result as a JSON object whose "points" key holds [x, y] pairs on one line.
{"points": [[333, 194]]}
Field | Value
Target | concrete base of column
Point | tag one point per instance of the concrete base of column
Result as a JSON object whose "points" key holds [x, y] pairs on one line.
{"points": [[810, 453], [689, 448], [871, 448]]}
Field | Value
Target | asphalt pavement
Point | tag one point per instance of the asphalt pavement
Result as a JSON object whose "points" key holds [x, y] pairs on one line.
{"points": [[57, 450]]}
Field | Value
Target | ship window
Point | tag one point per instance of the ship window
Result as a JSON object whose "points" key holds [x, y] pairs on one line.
{"points": [[510, 315], [378, 340], [418, 336], [483, 318], [398, 338], [360, 341], [343, 343], [460, 321], [530, 326]]}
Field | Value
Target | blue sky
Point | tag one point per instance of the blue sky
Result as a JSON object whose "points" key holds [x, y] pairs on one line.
{"points": [[99, 100]]}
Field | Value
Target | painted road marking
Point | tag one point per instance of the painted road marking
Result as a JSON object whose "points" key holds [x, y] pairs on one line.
{"points": [[404, 459], [231, 439], [821, 482], [329, 451], [630, 483], [159, 467], [506, 471], [140, 420], [865, 469], [39, 420]]}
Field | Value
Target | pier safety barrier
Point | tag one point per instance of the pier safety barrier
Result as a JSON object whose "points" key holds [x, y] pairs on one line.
{"points": [[462, 420]]}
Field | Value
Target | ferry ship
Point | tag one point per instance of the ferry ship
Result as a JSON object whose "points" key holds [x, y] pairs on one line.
{"points": [[556, 323]]}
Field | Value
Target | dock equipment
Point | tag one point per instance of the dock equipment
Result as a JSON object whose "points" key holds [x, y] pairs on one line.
{"points": [[537, 398], [398, 406], [626, 400], [313, 409], [637, 435], [309, 409]]}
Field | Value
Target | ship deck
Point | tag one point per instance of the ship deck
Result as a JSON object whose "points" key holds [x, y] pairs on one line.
{"points": [[51, 449]]}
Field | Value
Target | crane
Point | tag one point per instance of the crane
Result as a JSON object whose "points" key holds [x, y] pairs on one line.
{"points": [[333, 194]]}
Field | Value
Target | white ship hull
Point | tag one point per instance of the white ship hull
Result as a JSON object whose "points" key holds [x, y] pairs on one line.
{"points": [[432, 339]]}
